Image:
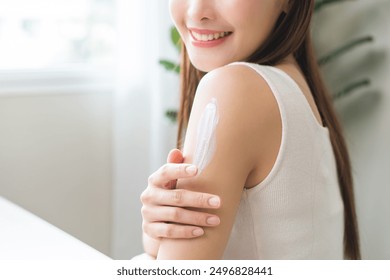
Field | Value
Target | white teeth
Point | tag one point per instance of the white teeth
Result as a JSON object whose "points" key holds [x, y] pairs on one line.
{"points": [[209, 37]]}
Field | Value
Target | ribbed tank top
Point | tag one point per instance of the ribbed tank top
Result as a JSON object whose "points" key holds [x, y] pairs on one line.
{"points": [[296, 212]]}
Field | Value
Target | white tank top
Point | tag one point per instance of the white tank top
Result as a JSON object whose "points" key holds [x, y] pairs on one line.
{"points": [[297, 211]]}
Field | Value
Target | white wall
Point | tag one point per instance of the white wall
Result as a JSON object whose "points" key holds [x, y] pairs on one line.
{"points": [[366, 114], [55, 160]]}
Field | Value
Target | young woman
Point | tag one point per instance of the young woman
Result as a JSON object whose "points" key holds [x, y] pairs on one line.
{"points": [[261, 131]]}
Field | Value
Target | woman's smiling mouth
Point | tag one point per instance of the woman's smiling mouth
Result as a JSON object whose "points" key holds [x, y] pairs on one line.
{"points": [[208, 38]]}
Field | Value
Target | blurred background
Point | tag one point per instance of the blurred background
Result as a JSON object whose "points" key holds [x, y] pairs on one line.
{"points": [[83, 102]]}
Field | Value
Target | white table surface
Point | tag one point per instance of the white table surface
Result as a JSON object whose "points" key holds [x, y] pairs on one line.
{"points": [[26, 236]]}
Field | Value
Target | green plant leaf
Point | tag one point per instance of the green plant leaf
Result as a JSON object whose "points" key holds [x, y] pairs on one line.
{"points": [[172, 115], [175, 38], [349, 89], [343, 49], [170, 66], [323, 3]]}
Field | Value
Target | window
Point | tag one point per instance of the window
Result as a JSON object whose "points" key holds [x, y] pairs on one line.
{"points": [[46, 34]]}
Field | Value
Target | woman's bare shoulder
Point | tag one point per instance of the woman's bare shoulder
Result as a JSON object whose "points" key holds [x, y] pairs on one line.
{"points": [[234, 78], [240, 90], [250, 110]]}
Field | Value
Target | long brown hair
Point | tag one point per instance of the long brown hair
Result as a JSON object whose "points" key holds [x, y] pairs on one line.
{"points": [[291, 35]]}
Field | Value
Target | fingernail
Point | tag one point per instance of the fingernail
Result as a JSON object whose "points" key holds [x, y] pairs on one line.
{"points": [[198, 232], [214, 201], [191, 169], [213, 221]]}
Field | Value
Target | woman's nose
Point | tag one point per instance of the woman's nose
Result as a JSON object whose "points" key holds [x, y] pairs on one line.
{"points": [[201, 10]]}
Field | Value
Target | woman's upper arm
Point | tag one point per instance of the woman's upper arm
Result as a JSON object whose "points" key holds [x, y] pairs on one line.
{"points": [[241, 114]]}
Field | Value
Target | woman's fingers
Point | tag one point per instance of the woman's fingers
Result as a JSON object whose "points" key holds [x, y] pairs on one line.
{"points": [[164, 230], [164, 214], [179, 198], [175, 156], [171, 171], [179, 216]]}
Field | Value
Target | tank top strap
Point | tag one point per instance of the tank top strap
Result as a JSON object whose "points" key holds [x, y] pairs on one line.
{"points": [[293, 105]]}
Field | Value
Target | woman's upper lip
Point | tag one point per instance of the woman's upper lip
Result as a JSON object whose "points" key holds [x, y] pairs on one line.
{"points": [[206, 31]]}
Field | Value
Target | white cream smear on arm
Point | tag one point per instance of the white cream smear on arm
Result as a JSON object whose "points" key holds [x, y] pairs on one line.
{"points": [[206, 137]]}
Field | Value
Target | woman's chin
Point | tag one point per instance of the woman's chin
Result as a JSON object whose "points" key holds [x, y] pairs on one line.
{"points": [[207, 66], [206, 62]]}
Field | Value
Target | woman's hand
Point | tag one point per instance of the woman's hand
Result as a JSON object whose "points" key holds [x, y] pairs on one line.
{"points": [[163, 211]]}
